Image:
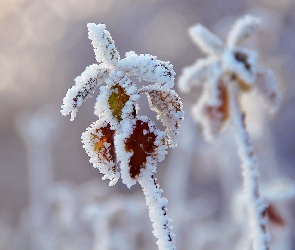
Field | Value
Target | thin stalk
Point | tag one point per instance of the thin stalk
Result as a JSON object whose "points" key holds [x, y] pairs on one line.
{"points": [[250, 173], [158, 213]]}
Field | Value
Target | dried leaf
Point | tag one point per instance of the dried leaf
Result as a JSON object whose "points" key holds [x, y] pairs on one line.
{"points": [[274, 216], [99, 144], [167, 104], [142, 143], [213, 117]]}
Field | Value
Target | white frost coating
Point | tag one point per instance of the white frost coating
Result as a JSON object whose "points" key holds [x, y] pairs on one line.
{"points": [[104, 45], [123, 156], [256, 204], [85, 84], [168, 107], [102, 108], [100, 159], [233, 61], [242, 29], [207, 41], [147, 68], [157, 212], [196, 74], [267, 88]]}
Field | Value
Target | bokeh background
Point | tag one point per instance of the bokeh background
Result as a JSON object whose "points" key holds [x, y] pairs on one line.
{"points": [[44, 46]]}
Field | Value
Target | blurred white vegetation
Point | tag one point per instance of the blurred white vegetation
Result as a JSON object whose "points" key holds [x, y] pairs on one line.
{"points": [[122, 143], [229, 71]]}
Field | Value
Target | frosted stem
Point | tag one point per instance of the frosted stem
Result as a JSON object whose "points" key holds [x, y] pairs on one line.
{"points": [[250, 174], [157, 212]]}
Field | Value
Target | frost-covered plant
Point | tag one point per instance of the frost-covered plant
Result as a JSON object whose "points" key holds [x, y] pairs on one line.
{"points": [[122, 143], [229, 71]]}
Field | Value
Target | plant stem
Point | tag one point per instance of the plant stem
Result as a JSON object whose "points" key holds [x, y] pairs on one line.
{"points": [[250, 173], [157, 212]]}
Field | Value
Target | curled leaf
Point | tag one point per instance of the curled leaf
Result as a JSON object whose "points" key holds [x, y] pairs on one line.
{"points": [[167, 105], [85, 84], [98, 142]]}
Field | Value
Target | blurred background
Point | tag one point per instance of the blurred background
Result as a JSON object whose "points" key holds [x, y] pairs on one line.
{"points": [[52, 198]]}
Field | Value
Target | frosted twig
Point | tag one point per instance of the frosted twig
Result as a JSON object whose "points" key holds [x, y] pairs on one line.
{"points": [[158, 213], [250, 172]]}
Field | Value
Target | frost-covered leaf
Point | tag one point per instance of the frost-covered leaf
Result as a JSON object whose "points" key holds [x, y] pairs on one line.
{"points": [[104, 45], [242, 29], [117, 99], [267, 88], [139, 148], [85, 84], [212, 117], [147, 68], [197, 73], [98, 142], [167, 105], [205, 40]]}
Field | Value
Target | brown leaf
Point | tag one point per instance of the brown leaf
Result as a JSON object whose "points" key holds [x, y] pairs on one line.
{"points": [[142, 143], [101, 137], [274, 216], [222, 109]]}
